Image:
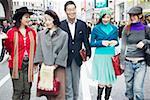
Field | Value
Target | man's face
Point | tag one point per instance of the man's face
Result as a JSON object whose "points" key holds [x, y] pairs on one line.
{"points": [[148, 18], [71, 11], [5, 24]]}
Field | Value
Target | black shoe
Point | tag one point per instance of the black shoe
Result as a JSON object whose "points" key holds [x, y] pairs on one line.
{"points": [[107, 92], [100, 91]]}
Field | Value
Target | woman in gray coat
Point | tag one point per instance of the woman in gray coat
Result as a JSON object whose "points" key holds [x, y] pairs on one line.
{"points": [[52, 50]]}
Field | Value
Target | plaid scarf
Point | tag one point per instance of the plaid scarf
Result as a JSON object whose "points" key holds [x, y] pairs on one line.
{"points": [[15, 59]]}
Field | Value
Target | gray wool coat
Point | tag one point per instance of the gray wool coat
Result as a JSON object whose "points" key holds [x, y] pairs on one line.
{"points": [[52, 48]]}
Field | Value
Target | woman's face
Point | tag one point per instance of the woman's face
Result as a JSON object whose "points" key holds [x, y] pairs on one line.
{"points": [[106, 19], [48, 21], [134, 18], [25, 19]]}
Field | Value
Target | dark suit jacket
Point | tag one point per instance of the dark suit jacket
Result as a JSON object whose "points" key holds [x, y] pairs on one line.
{"points": [[75, 45]]}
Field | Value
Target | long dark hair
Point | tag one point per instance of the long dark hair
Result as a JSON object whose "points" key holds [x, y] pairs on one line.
{"points": [[18, 21]]}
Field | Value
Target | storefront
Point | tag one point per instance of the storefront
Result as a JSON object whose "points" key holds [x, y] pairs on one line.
{"points": [[5, 9]]}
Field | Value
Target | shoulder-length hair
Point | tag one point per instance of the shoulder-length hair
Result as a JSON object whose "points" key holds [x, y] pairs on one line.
{"points": [[54, 16]]}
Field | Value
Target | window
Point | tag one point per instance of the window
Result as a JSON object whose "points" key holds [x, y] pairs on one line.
{"points": [[24, 3], [32, 5], [17, 3], [14, 3]]}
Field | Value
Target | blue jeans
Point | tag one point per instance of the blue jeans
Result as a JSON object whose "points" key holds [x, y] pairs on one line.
{"points": [[134, 77]]}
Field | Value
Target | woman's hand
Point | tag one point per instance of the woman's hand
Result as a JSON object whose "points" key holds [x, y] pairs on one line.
{"points": [[55, 66], [35, 68], [105, 43], [113, 43], [140, 45]]}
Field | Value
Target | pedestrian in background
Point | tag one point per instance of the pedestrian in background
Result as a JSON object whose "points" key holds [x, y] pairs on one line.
{"points": [[6, 26], [133, 54], [104, 37], [21, 45], [52, 50], [78, 35], [3, 52], [147, 19]]}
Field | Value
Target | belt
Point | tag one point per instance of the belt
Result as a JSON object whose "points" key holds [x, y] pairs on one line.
{"points": [[138, 61]]}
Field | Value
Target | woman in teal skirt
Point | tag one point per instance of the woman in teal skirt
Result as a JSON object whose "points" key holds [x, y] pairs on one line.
{"points": [[104, 37]]}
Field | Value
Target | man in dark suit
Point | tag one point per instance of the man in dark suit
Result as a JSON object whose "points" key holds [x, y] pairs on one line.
{"points": [[78, 35]]}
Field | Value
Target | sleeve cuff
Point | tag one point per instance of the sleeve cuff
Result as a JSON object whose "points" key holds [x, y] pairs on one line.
{"points": [[61, 62]]}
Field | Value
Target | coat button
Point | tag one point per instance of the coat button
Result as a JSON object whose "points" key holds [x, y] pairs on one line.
{"points": [[72, 51], [72, 42]]}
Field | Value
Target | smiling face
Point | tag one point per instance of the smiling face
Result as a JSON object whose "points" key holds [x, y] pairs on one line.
{"points": [[48, 21], [71, 11], [134, 18], [106, 19], [25, 19]]}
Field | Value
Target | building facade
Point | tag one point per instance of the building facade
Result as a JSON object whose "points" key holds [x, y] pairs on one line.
{"points": [[5, 9], [123, 6], [36, 6]]}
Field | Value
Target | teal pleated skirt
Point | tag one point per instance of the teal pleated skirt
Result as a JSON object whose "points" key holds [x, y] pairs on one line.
{"points": [[102, 69]]}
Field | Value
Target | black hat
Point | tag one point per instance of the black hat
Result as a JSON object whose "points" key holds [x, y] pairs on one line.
{"points": [[20, 12], [135, 10]]}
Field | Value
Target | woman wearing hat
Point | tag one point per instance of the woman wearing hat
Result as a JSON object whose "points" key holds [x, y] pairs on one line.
{"points": [[133, 55], [104, 37], [52, 51], [21, 45]]}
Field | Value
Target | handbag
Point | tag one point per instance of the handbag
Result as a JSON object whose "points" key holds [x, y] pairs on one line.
{"points": [[83, 54], [147, 50], [147, 54], [116, 65], [4, 55], [56, 84]]}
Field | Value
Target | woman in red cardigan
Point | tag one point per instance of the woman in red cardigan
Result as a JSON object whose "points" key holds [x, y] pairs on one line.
{"points": [[21, 45]]}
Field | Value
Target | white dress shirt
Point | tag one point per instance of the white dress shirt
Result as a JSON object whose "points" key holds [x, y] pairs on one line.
{"points": [[72, 28]]}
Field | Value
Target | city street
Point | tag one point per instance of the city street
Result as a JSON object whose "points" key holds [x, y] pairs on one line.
{"points": [[87, 87], [104, 14]]}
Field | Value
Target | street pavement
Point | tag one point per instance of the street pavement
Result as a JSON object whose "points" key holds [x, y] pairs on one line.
{"points": [[88, 90]]}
